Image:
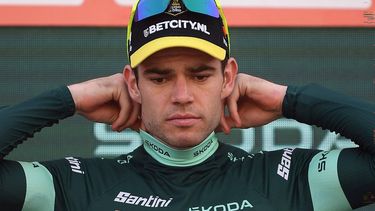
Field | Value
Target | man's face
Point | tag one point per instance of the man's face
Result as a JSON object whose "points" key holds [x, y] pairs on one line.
{"points": [[181, 95]]}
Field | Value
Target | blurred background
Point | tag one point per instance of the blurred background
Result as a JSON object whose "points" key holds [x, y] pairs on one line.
{"points": [[46, 44]]}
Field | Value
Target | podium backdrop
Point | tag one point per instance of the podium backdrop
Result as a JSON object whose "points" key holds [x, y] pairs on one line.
{"points": [[35, 59]]}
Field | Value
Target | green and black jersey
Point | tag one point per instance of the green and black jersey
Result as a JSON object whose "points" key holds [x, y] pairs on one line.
{"points": [[211, 176]]}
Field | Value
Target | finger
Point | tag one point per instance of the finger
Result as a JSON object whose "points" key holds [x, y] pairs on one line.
{"points": [[104, 114], [230, 122], [223, 123], [232, 103], [134, 115], [125, 104], [134, 121]]}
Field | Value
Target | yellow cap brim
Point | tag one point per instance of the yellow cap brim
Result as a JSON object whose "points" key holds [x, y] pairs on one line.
{"points": [[173, 41]]}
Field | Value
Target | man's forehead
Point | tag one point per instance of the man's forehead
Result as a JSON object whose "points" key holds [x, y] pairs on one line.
{"points": [[188, 60], [176, 52]]}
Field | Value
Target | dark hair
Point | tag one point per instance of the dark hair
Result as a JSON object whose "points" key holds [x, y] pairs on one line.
{"points": [[223, 64]]}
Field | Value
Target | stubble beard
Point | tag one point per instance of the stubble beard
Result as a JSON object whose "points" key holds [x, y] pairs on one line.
{"points": [[179, 139]]}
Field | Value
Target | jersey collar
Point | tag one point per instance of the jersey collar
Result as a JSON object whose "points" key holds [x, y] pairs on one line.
{"points": [[180, 158]]}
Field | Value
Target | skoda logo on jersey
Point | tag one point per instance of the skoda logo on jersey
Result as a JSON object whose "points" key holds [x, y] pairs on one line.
{"points": [[157, 149], [232, 206], [203, 149]]}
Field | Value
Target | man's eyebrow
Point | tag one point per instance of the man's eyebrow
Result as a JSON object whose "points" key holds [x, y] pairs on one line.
{"points": [[201, 68], [157, 71]]}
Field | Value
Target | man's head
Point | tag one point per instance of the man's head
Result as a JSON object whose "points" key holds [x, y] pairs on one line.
{"points": [[177, 48], [158, 24]]}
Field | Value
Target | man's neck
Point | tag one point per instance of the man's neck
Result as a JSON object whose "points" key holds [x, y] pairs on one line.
{"points": [[179, 157]]}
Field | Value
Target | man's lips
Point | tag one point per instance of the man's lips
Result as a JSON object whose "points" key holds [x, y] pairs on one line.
{"points": [[183, 120]]}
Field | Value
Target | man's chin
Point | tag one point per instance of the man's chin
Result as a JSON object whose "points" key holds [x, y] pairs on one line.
{"points": [[180, 137]]}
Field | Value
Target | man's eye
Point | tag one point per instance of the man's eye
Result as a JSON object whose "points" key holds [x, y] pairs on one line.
{"points": [[201, 77], [159, 80]]}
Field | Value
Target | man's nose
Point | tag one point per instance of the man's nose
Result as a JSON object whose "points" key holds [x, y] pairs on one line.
{"points": [[181, 93]]}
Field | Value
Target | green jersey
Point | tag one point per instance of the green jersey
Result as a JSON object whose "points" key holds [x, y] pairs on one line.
{"points": [[211, 176]]}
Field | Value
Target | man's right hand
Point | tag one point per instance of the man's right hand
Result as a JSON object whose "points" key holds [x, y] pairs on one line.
{"points": [[107, 100]]}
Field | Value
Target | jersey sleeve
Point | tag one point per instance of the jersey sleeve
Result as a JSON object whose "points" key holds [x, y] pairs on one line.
{"points": [[29, 185], [26, 186], [351, 117], [21, 121], [64, 184], [305, 179], [342, 179], [337, 179]]}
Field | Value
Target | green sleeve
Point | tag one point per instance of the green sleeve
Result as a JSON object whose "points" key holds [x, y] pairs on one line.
{"points": [[338, 179], [21, 121], [29, 186], [351, 117], [12, 185]]}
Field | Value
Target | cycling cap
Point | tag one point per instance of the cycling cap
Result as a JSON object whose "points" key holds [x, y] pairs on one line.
{"points": [[158, 24]]}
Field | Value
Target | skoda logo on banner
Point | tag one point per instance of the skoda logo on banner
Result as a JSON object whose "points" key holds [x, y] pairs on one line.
{"points": [[111, 143]]}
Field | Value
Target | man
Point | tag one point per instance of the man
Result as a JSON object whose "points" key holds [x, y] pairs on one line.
{"points": [[175, 90]]}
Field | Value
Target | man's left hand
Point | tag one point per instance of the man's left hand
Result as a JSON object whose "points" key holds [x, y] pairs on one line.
{"points": [[254, 102]]}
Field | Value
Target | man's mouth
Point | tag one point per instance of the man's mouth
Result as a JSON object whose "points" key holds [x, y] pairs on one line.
{"points": [[183, 120]]}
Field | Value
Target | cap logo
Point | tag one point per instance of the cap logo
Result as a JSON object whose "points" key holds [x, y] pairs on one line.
{"points": [[176, 24], [176, 8], [146, 32]]}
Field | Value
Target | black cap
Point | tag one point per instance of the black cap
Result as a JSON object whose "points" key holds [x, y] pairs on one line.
{"points": [[177, 27]]}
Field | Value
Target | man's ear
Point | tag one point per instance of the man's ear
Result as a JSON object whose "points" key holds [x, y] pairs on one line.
{"points": [[230, 73], [132, 85]]}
